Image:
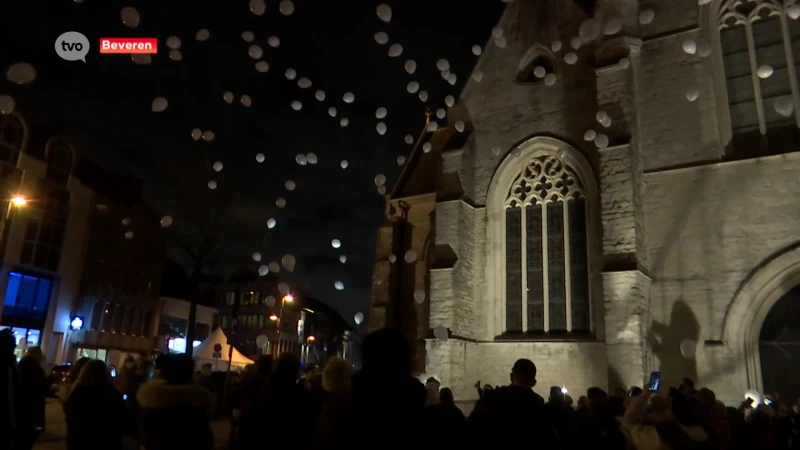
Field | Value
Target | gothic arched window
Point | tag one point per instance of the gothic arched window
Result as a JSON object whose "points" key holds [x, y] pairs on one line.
{"points": [[547, 271], [758, 41]]}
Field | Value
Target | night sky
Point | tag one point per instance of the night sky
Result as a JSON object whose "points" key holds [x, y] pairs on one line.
{"points": [[104, 108]]}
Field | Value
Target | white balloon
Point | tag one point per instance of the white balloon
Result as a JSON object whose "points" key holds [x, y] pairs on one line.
{"points": [[624, 63], [426, 147], [202, 35], [600, 116], [320, 95], [263, 269], [477, 75], [395, 50], [384, 12], [460, 126], [440, 113], [497, 32], [142, 59], [477, 50], [228, 97], [7, 104], [380, 113], [280, 202], [765, 72], [175, 55], [556, 46], [433, 126], [129, 235], [358, 318], [381, 38], [258, 7], [246, 101], [290, 185], [688, 348], [392, 258], [338, 285], [410, 66], [208, 136], [646, 16], [550, 79], [571, 58], [130, 17], [212, 185], [412, 87], [332, 111], [274, 42], [589, 135], [348, 97], [496, 151], [301, 159], [690, 47], [381, 190], [262, 341], [401, 160], [344, 164], [248, 36], [291, 74], [784, 105], [270, 300], [312, 158], [297, 106], [575, 42], [381, 127], [126, 221], [166, 221], [283, 288], [344, 122], [408, 139], [217, 166], [539, 72], [159, 104], [197, 133], [336, 243], [271, 223], [703, 48], [452, 79], [793, 12], [500, 42], [21, 73], [601, 141], [589, 30], [343, 258], [288, 262], [287, 7], [255, 52], [419, 295], [174, 42], [613, 26], [410, 256], [274, 267], [441, 333], [260, 157], [304, 83], [449, 100], [692, 94], [423, 96], [380, 179], [443, 64]]}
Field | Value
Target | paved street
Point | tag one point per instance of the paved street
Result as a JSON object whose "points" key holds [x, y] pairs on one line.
{"points": [[54, 438]]}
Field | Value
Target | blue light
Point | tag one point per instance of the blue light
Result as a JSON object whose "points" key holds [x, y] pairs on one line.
{"points": [[76, 324]]}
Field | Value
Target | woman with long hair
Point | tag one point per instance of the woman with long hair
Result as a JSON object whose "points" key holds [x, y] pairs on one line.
{"points": [[72, 376], [95, 410]]}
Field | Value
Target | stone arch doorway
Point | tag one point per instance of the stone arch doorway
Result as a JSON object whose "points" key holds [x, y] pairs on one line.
{"points": [[750, 312], [779, 347]]}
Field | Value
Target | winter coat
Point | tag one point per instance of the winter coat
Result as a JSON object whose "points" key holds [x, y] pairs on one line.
{"points": [[175, 416]]}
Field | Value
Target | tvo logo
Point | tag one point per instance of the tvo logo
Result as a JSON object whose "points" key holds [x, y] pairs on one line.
{"points": [[72, 46]]}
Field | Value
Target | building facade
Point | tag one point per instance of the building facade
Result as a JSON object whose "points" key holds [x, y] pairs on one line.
{"points": [[68, 244], [624, 201], [174, 324]]}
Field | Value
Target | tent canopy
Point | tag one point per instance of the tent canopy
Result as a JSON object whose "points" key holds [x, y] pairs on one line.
{"points": [[204, 353]]}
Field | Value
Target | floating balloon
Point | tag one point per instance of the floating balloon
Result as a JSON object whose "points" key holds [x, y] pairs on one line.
{"points": [[380, 113], [248, 36], [274, 42], [228, 97], [246, 101], [7, 104], [269, 301], [392, 258], [441, 333], [589, 30], [301, 159], [433, 126], [348, 97], [449, 100], [159, 104], [343, 258], [690, 47], [129, 235], [304, 83], [297, 106], [280, 202], [784, 105], [646, 16], [260, 157], [460, 126], [613, 26], [197, 133], [286, 7], [175, 55], [688, 348], [401, 160], [344, 164], [258, 7], [589, 135], [263, 270], [419, 295], [442, 64], [423, 96], [395, 50], [380, 180], [21, 73], [174, 42], [500, 42], [575, 42], [624, 63], [274, 267], [408, 139], [336, 243], [262, 341], [477, 75], [570, 58], [271, 223], [255, 52], [440, 113], [381, 128], [765, 72], [555, 46], [142, 59], [217, 166], [384, 12], [202, 35], [332, 111], [703, 48], [338, 285], [550, 79], [381, 38], [497, 32], [288, 262], [410, 256], [381, 190], [412, 87], [289, 185], [793, 12], [130, 16], [283, 288], [320, 95], [126, 221], [692, 94], [312, 158], [358, 318], [601, 141], [166, 221], [208, 136], [256, 257], [344, 122], [410, 66], [291, 74], [539, 72], [427, 147], [452, 78]]}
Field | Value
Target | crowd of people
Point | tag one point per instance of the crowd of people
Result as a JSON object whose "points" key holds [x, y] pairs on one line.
{"points": [[275, 405]]}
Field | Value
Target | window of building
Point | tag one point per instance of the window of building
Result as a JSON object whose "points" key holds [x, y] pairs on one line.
{"points": [[173, 326], [12, 137], [757, 41], [27, 296], [60, 160], [44, 231]]}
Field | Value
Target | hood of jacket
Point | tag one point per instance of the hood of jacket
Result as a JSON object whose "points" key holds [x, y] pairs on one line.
{"points": [[157, 394]]}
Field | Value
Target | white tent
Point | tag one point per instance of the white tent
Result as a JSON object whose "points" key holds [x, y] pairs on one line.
{"points": [[205, 353]]}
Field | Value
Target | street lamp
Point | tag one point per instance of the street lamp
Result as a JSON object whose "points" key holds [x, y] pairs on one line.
{"points": [[286, 299], [19, 201], [312, 339], [273, 317]]}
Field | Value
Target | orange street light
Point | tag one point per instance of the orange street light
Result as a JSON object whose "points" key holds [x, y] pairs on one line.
{"points": [[312, 338], [273, 317], [288, 298], [19, 200]]}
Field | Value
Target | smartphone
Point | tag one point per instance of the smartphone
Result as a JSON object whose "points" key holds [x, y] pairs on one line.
{"points": [[767, 402], [655, 381]]}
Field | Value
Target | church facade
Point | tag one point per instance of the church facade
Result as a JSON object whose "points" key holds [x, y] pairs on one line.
{"points": [[615, 193]]}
